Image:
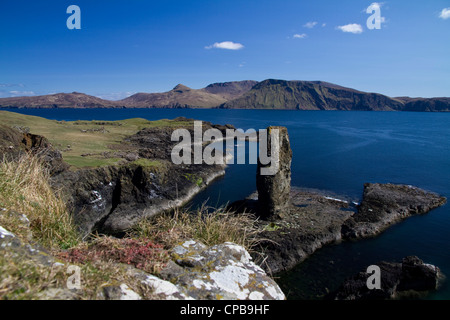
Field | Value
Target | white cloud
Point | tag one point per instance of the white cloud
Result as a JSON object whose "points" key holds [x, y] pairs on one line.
{"points": [[300, 36], [15, 93], [352, 28], [310, 24], [228, 45], [8, 85], [445, 13], [324, 25]]}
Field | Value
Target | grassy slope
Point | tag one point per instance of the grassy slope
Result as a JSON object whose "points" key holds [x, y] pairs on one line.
{"points": [[63, 134]]}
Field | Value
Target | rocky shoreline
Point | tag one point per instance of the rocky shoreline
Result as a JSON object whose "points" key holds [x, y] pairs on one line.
{"points": [[410, 278], [296, 223], [293, 223], [314, 220]]}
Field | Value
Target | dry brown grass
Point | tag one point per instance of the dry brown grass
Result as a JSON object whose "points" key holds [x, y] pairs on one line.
{"points": [[211, 227], [25, 188]]}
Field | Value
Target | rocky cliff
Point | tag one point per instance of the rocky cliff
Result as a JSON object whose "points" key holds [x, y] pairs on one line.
{"points": [[111, 199]]}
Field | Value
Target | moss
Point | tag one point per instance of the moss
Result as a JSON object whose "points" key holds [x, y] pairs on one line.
{"points": [[272, 227], [147, 163], [194, 179]]}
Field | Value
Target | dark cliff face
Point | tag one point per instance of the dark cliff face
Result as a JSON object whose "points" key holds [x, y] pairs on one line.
{"points": [[310, 95], [430, 104], [15, 142], [112, 199]]}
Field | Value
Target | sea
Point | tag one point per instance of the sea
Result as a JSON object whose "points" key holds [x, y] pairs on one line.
{"points": [[335, 152]]}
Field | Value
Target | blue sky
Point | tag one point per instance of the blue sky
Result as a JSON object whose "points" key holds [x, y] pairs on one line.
{"points": [[124, 47]]}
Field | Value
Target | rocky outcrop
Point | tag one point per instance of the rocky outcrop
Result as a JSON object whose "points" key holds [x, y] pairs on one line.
{"points": [[15, 142], [295, 224], [316, 219], [196, 272], [386, 204], [112, 199], [410, 278], [274, 189], [224, 271]]}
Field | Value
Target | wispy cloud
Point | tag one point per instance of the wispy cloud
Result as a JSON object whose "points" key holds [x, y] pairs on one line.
{"points": [[228, 45], [445, 13], [300, 36], [10, 85], [351, 28], [16, 93], [310, 24]]}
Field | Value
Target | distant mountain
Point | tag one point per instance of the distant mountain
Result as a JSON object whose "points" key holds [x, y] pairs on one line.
{"points": [[268, 94], [185, 97], [179, 97], [230, 90], [58, 100], [425, 104], [310, 95]]}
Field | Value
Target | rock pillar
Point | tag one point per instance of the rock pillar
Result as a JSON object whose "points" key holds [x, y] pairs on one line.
{"points": [[274, 188]]}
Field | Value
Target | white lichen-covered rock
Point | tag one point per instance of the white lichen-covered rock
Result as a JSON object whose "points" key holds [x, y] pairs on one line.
{"points": [[157, 288], [119, 292], [224, 271]]}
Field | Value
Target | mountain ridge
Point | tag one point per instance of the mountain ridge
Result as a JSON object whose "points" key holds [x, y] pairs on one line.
{"points": [[246, 94]]}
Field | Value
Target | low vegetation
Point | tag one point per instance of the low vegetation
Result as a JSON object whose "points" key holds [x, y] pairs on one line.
{"points": [[36, 213], [24, 188], [85, 143], [209, 226]]}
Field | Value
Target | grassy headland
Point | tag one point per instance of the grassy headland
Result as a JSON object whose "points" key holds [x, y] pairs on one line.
{"points": [[85, 143]]}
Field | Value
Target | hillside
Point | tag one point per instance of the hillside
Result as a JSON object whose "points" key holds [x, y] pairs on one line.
{"points": [[179, 97], [268, 94], [184, 97], [425, 104], [310, 95], [58, 100]]}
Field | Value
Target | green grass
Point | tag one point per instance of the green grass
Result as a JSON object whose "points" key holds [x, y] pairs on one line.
{"points": [[85, 137]]}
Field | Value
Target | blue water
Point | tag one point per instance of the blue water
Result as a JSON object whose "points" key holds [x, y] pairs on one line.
{"points": [[337, 152]]}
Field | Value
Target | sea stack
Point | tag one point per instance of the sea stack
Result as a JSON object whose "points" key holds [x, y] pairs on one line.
{"points": [[274, 189]]}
